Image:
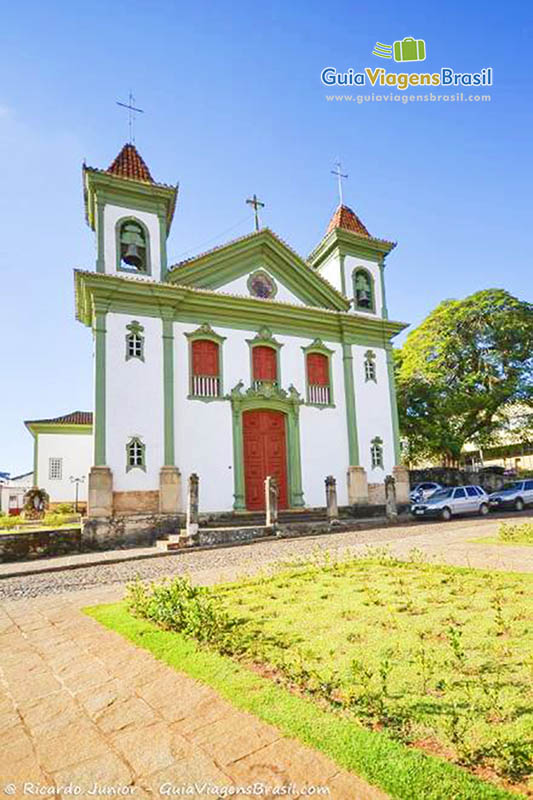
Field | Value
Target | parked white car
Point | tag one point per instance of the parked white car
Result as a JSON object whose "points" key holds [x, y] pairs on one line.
{"points": [[518, 495], [424, 490], [456, 500]]}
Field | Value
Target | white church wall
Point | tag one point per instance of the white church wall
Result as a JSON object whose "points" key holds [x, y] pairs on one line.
{"points": [[330, 270], [351, 263], [239, 287], [76, 454], [134, 402], [112, 214], [373, 411], [203, 430]]}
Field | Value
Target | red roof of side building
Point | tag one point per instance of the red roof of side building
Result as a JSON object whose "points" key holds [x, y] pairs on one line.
{"points": [[129, 164], [74, 418], [345, 218]]}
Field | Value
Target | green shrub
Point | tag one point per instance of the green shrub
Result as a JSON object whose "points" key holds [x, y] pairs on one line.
{"points": [[512, 532], [7, 523], [64, 508]]}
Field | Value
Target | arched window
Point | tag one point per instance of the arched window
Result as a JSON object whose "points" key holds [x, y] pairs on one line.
{"points": [[363, 290], [370, 366], [264, 365], [135, 454], [318, 380], [132, 246], [205, 368], [376, 453], [134, 341]]}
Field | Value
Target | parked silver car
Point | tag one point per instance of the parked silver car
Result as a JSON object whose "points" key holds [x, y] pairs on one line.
{"points": [[517, 495], [424, 490], [456, 500]]}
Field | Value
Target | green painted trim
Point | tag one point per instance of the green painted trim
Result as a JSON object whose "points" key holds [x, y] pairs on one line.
{"points": [[318, 346], [370, 360], [270, 398], [168, 390], [261, 273], [359, 309], [351, 244], [36, 459], [349, 395], [376, 463], [100, 238], [51, 427], [118, 224], [215, 269], [384, 310], [100, 389], [163, 233], [265, 338], [135, 329], [148, 298], [142, 466], [342, 258], [205, 331], [99, 185], [393, 405]]}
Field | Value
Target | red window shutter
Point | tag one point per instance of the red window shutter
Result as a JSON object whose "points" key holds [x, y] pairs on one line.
{"points": [[317, 369], [264, 360], [204, 357]]}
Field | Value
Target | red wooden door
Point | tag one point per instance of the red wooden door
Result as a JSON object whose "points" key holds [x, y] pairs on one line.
{"points": [[265, 453]]}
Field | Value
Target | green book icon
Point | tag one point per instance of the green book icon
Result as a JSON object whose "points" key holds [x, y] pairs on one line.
{"points": [[410, 49]]}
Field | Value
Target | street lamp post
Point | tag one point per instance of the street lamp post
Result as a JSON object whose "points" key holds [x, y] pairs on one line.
{"points": [[77, 482]]}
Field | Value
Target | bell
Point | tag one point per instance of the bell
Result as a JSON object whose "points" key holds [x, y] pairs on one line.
{"points": [[132, 256]]}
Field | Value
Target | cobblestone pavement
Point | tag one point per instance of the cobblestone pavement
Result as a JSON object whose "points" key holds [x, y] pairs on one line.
{"points": [[80, 705], [441, 541]]}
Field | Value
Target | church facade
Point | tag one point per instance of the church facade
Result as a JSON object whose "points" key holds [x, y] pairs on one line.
{"points": [[242, 362]]}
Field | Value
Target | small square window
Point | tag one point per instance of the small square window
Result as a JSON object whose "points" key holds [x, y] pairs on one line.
{"points": [[55, 469]]}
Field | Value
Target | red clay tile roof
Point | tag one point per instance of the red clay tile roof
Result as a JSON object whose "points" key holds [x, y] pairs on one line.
{"points": [[345, 218], [74, 418], [129, 164]]}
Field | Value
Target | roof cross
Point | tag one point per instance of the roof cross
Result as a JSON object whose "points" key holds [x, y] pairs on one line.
{"points": [[256, 204], [340, 175], [131, 112]]}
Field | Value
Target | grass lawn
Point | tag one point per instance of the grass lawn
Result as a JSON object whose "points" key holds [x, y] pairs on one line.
{"points": [[400, 655], [497, 540], [518, 534]]}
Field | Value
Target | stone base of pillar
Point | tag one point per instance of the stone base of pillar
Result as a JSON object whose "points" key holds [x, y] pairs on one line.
{"points": [[170, 501], [357, 485], [100, 503], [401, 479]]}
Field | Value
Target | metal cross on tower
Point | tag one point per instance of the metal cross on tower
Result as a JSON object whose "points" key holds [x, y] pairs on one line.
{"points": [[340, 175], [256, 204], [131, 112]]}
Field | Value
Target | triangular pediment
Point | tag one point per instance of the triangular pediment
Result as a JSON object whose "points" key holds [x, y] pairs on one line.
{"points": [[232, 267]]}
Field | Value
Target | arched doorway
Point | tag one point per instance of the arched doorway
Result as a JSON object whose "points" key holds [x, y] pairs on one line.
{"points": [[265, 453]]}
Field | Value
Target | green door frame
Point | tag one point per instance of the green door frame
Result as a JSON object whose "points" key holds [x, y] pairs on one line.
{"points": [[267, 398]]}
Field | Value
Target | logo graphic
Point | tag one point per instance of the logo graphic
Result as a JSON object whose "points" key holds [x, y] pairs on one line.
{"points": [[407, 49], [382, 50]]}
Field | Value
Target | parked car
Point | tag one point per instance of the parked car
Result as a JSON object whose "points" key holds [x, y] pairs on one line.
{"points": [[424, 490], [446, 503], [516, 495]]}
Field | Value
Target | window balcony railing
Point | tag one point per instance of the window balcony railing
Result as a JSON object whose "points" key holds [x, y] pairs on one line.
{"points": [[319, 395], [261, 383], [206, 386]]}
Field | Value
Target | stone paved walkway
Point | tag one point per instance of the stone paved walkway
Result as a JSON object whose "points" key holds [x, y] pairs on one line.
{"points": [[79, 703]]}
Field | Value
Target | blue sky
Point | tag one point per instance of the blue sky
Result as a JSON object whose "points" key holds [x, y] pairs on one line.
{"points": [[234, 105]]}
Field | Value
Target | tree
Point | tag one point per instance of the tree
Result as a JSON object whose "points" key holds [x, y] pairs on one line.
{"points": [[468, 360]]}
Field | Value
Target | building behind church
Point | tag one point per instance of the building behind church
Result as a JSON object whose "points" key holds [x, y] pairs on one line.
{"points": [[244, 361]]}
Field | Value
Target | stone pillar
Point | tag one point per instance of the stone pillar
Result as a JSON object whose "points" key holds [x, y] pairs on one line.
{"points": [[401, 477], [271, 501], [100, 502], [332, 508], [391, 510], [357, 486], [191, 530], [169, 490]]}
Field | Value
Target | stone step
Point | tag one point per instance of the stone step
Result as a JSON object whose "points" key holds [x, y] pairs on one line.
{"points": [[209, 537]]}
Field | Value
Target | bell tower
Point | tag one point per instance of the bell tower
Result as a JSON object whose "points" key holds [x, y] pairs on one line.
{"points": [[131, 215]]}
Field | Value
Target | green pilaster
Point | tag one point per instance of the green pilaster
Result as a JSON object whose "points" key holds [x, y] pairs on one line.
{"points": [[100, 256], [100, 388], [239, 503], [35, 459], [384, 311], [295, 462], [168, 390], [393, 404], [349, 394], [343, 275], [163, 246]]}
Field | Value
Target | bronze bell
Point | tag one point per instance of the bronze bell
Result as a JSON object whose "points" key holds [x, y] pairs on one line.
{"points": [[132, 245], [132, 256]]}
